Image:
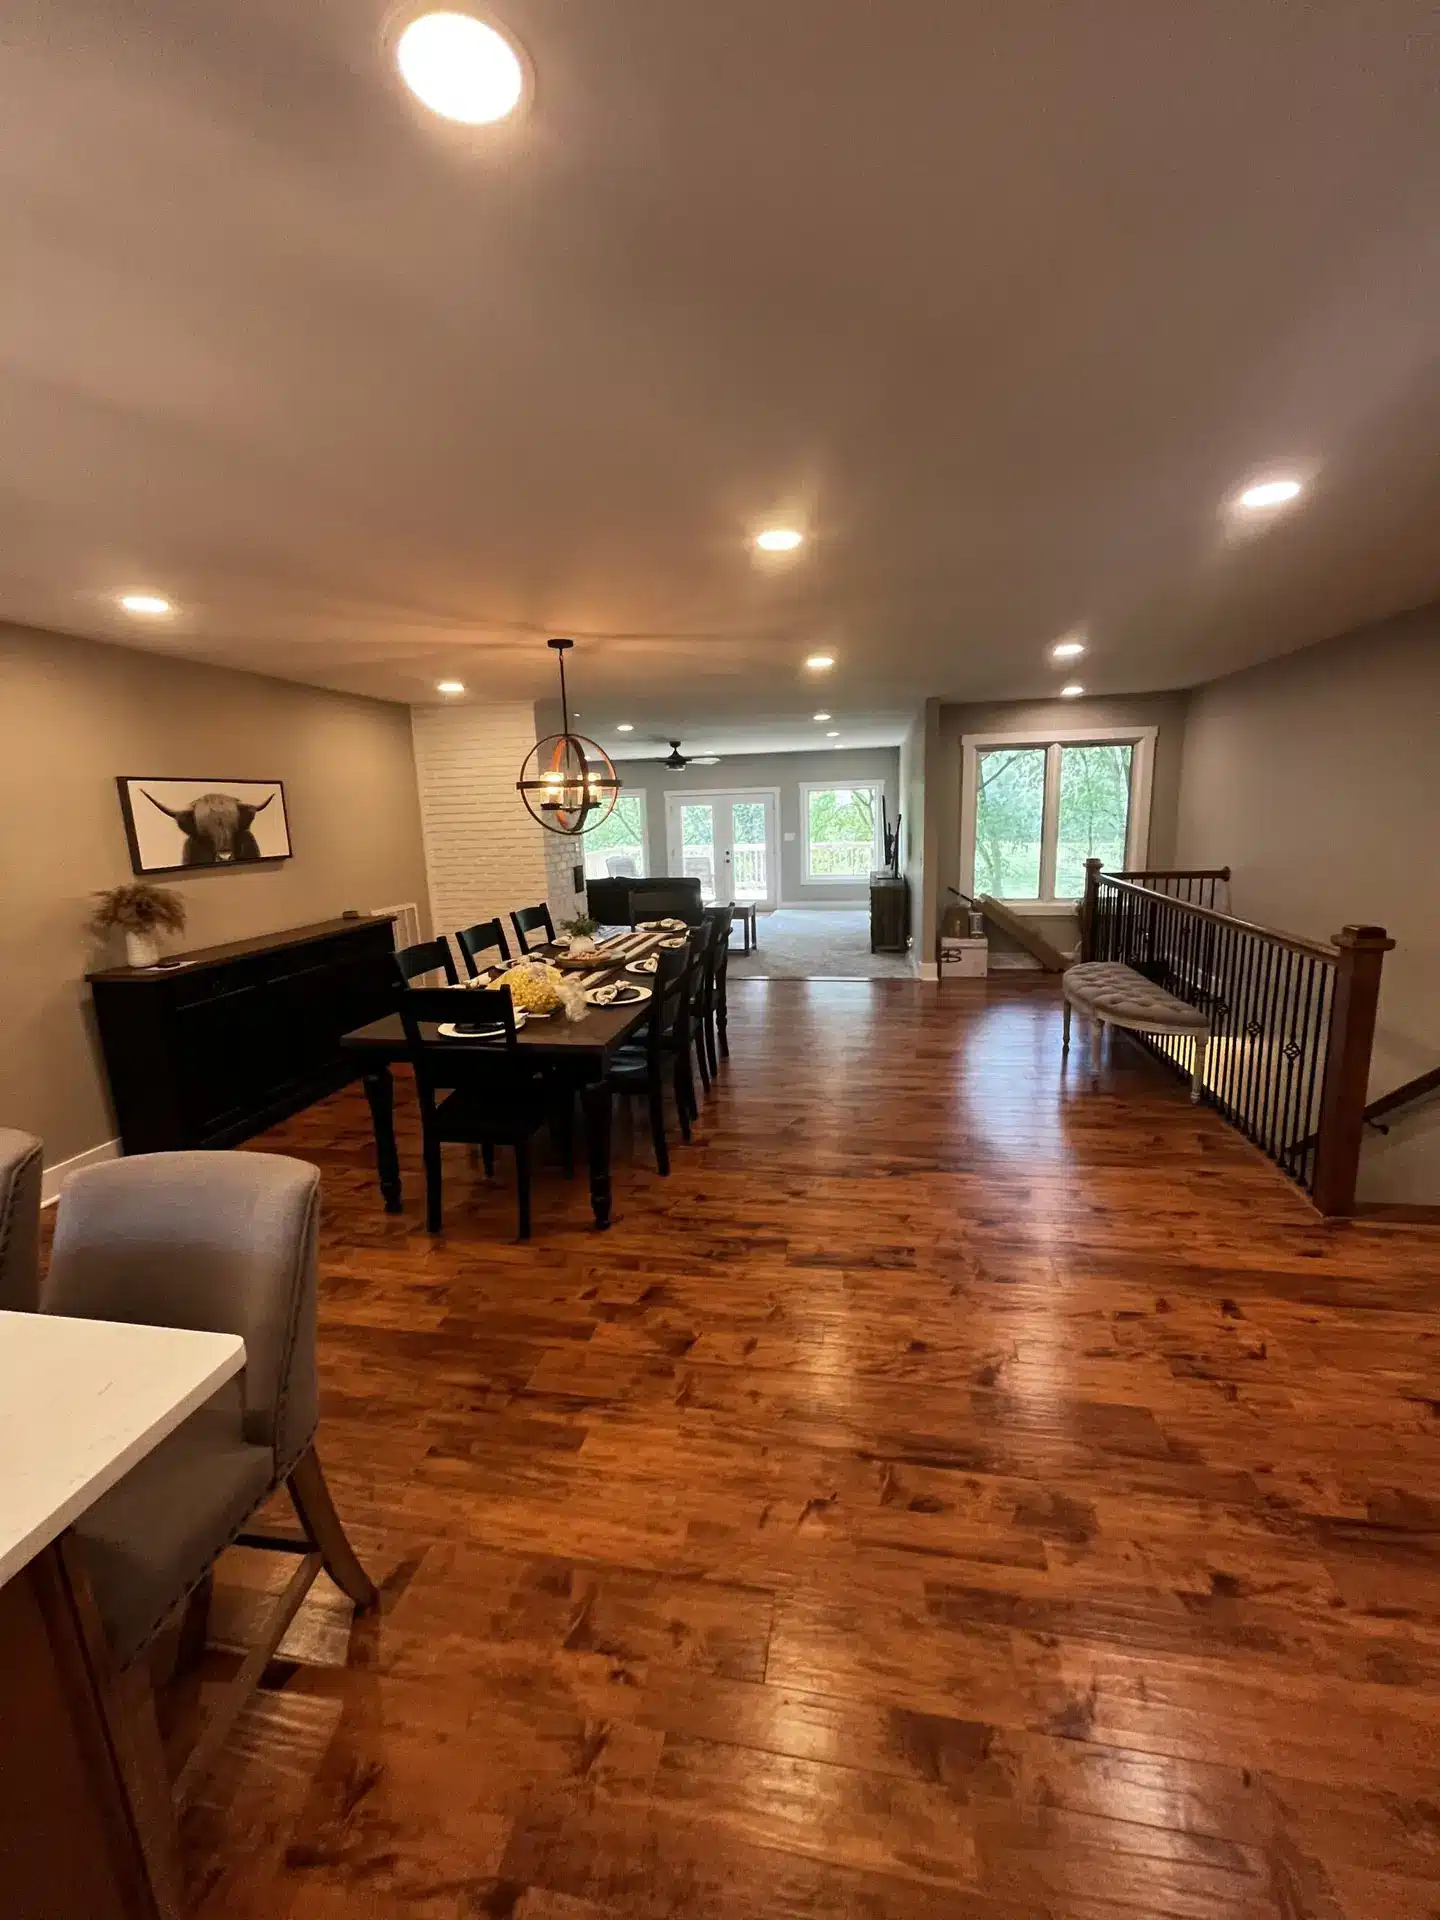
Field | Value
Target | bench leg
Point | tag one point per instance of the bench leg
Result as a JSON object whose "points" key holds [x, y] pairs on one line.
{"points": [[1197, 1077], [1065, 1047]]}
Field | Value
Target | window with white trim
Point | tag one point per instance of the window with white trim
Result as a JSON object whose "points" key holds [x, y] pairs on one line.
{"points": [[617, 846], [841, 827], [1034, 807]]}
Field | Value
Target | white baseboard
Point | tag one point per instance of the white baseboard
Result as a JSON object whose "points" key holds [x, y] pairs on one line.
{"points": [[927, 969], [55, 1177], [859, 904]]}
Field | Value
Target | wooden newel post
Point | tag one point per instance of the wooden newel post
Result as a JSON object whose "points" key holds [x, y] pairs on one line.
{"points": [[1089, 906], [1347, 1065]]}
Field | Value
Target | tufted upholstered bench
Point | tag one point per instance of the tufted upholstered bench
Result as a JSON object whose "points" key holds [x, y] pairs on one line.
{"points": [[1109, 990]]}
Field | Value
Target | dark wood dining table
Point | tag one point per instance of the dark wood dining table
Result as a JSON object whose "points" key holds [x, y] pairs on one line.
{"points": [[577, 1050]]}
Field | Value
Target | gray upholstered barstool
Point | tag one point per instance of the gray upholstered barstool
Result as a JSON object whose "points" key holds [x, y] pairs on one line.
{"points": [[21, 1169], [222, 1243]]}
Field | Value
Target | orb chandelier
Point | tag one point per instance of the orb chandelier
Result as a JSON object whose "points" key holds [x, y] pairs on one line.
{"points": [[568, 782]]}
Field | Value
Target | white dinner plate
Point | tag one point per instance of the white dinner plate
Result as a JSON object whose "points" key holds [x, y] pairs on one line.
{"points": [[658, 926], [646, 966], [677, 941], [450, 1030], [619, 993]]}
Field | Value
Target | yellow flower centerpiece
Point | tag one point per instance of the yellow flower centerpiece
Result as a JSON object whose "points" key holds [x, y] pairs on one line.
{"points": [[539, 989]]}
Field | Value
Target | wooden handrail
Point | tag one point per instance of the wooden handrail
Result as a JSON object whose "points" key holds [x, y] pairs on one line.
{"points": [[1172, 873], [1315, 949], [1415, 1089]]}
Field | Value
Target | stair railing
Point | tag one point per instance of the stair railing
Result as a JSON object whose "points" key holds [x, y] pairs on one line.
{"points": [[1292, 1020]]}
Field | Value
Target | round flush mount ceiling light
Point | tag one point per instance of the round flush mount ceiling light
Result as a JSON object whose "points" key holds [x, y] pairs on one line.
{"points": [[449, 686], [779, 540], [623, 726], [1265, 495], [460, 68], [146, 605], [834, 734], [1072, 692], [1067, 649], [820, 662], [822, 716], [704, 759]]}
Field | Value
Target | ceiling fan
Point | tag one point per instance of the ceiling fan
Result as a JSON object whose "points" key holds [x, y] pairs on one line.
{"points": [[677, 759]]}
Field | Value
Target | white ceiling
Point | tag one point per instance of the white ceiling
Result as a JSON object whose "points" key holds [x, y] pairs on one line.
{"points": [[1000, 301]]}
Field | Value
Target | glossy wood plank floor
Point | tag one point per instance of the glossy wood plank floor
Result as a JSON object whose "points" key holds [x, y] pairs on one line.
{"points": [[969, 1486]]}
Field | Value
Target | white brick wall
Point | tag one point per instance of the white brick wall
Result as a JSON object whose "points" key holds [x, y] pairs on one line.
{"points": [[484, 855]]}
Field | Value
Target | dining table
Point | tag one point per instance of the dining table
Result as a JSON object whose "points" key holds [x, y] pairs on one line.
{"points": [[577, 1052]]}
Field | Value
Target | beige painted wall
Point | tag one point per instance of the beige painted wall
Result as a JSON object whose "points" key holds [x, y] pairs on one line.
{"points": [[1317, 778], [73, 715], [1163, 711]]}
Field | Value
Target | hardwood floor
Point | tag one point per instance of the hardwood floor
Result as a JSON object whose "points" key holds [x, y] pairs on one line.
{"points": [[970, 1486]]}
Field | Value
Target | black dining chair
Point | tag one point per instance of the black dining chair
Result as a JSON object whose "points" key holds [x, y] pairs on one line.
{"points": [[477, 1089], [430, 956], [666, 900], [484, 937], [641, 1068], [528, 920], [715, 1012], [702, 948]]}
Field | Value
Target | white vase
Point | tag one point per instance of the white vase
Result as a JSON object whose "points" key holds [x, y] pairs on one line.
{"points": [[141, 949]]}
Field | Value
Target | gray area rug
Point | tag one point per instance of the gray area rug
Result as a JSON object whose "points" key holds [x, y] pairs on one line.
{"points": [[824, 945]]}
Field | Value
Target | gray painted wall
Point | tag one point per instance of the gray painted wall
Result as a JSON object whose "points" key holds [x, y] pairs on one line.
{"points": [[787, 771], [1316, 777]]}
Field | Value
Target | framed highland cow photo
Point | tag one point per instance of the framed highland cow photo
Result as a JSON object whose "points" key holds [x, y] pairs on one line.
{"points": [[177, 826]]}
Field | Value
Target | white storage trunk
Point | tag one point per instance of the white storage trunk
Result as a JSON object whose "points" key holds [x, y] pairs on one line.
{"points": [[964, 958]]}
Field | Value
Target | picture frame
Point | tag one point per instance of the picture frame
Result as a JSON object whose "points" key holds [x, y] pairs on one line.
{"points": [[177, 825]]}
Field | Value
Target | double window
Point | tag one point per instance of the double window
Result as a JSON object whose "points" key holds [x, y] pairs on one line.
{"points": [[1035, 807], [616, 848], [842, 832]]}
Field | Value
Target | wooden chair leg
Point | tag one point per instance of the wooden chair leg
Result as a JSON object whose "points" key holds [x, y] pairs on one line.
{"points": [[722, 1029], [140, 1754], [657, 1125], [697, 1039], [195, 1627], [487, 1155], [711, 1051], [434, 1215], [316, 1513], [522, 1186], [682, 1099]]}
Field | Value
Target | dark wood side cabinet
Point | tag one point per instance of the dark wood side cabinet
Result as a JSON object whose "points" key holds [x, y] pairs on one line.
{"points": [[208, 1053], [889, 913]]}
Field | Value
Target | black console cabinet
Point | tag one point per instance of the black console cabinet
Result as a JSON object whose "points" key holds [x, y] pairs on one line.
{"points": [[235, 1038]]}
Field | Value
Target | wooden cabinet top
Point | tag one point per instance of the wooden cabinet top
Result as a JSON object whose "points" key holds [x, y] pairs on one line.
{"points": [[233, 950]]}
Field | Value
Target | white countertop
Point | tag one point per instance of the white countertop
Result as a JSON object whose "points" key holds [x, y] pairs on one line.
{"points": [[80, 1402]]}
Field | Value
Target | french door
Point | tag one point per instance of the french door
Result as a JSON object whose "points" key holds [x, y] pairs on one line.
{"points": [[727, 841]]}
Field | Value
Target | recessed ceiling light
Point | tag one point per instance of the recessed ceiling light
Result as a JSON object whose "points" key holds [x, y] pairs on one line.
{"points": [[819, 662], [144, 603], [1067, 649], [834, 735], [449, 686], [779, 540], [1269, 493], [623, 726], [822, 716], [1072, 692], [460, 68]]}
